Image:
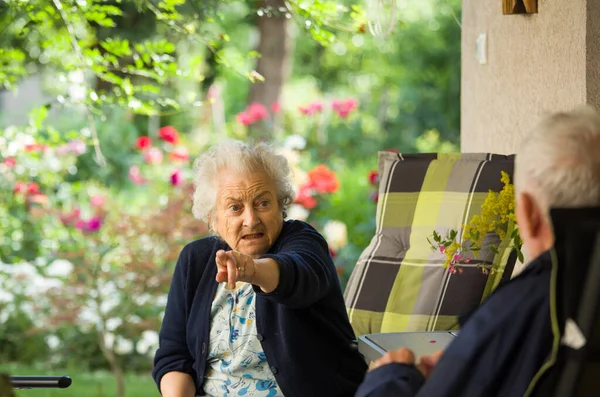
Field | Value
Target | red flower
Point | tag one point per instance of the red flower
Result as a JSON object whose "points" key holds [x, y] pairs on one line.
{"points": [[323, 180], [143, 142], [169, 134], [275, 107], [373, 177], [332, 253], [33, 188], [305, 197]]}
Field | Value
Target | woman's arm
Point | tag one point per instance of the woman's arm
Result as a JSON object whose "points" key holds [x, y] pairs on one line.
{"points": [[177, 384], [305, 271], [300, 273], [173, 360]]}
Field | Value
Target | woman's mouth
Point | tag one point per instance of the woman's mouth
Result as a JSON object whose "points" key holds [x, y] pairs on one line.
{"points": [[253, 236]]}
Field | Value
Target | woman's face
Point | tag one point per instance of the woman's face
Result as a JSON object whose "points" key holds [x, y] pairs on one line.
{"points": [[247, 213]]}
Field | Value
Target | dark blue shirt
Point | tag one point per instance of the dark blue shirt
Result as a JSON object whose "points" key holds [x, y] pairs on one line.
{"points": [[498, 352], [302, 325]]}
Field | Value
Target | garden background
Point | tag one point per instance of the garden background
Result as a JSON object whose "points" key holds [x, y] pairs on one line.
{"points": [[104, 106]]}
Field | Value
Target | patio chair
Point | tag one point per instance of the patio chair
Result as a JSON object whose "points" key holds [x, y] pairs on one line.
{"points": [[576, 305], [399, 284]]}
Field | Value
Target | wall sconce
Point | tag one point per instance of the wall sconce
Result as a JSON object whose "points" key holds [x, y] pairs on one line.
{"points": [[510, 7]]}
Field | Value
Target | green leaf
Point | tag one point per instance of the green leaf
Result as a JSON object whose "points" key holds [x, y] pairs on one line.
{"points": [[38, 115]]}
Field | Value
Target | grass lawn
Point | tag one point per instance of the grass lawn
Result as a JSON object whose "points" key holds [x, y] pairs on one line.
{"points": [[85, 384]]}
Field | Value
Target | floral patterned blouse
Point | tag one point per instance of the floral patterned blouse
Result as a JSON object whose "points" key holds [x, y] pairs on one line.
{"points": [[236, 364]]}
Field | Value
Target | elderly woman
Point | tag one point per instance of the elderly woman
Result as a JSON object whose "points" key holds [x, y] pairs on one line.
{"points": [[257, 309]]}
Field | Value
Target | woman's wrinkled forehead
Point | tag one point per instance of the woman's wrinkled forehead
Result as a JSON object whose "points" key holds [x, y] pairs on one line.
{"points": [[232, 185]]}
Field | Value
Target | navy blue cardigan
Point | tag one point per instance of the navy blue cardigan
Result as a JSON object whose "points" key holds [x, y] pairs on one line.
{"points": [[302, 325]]}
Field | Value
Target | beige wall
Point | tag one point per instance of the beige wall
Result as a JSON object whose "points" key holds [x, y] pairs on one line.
{"points": [[535, 64]]}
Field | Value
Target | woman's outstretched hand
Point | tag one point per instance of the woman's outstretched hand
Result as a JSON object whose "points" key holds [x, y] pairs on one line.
{"points": [[233, 266]]}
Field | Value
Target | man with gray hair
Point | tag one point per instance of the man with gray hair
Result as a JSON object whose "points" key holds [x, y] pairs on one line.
{"points": [[503, 347]]}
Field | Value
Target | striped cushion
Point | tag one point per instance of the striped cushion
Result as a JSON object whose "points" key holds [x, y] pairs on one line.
{"points": [[399, 283]]}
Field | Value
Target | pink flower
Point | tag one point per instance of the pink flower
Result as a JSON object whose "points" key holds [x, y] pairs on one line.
{"points": [[10, 162], [135, 175], [253, 113], [34, 147], [244, 118], [458, 257], [143, 142], [344, 107], [180, 153], [176, 178], [97, 201], [312, 108], [467, 260], [442, 249], [92, 225], [20, 187], [169, 134], [275, 107], [257, 111], [77, 147], [70, 218], [153, 156]]}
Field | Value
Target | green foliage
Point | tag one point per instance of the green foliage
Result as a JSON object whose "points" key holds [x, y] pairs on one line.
{"points": [[19, 339]]}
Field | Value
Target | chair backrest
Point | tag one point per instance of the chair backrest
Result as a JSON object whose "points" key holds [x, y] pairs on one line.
{"points": [[576, 371], [399, 284]]}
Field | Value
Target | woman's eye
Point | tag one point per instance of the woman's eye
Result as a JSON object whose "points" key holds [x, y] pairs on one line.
{"points": [[235, 208], [263, 204]]}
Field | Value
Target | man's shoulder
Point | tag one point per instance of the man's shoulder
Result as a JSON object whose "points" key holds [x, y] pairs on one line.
{"points": [[518, 301]]}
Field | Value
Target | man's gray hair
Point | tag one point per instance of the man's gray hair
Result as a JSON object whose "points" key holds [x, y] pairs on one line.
{"points": [[559, 162], [239, 157]]}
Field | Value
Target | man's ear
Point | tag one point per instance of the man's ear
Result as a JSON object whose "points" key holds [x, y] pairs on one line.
{"points": [[529, 216]]}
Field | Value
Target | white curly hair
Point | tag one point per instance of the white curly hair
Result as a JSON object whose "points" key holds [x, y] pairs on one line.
{"points": [[240, 157]]}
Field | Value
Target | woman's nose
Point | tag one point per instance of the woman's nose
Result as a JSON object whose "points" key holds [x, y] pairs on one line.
{"points": [[251, 218]]}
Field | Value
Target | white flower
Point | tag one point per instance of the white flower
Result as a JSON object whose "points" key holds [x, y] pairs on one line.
{"points": [[298, 212], [336, 234], [123, 346], [295, 142], [52, 341], [59, 268], [148, 342], [113, 323]]}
